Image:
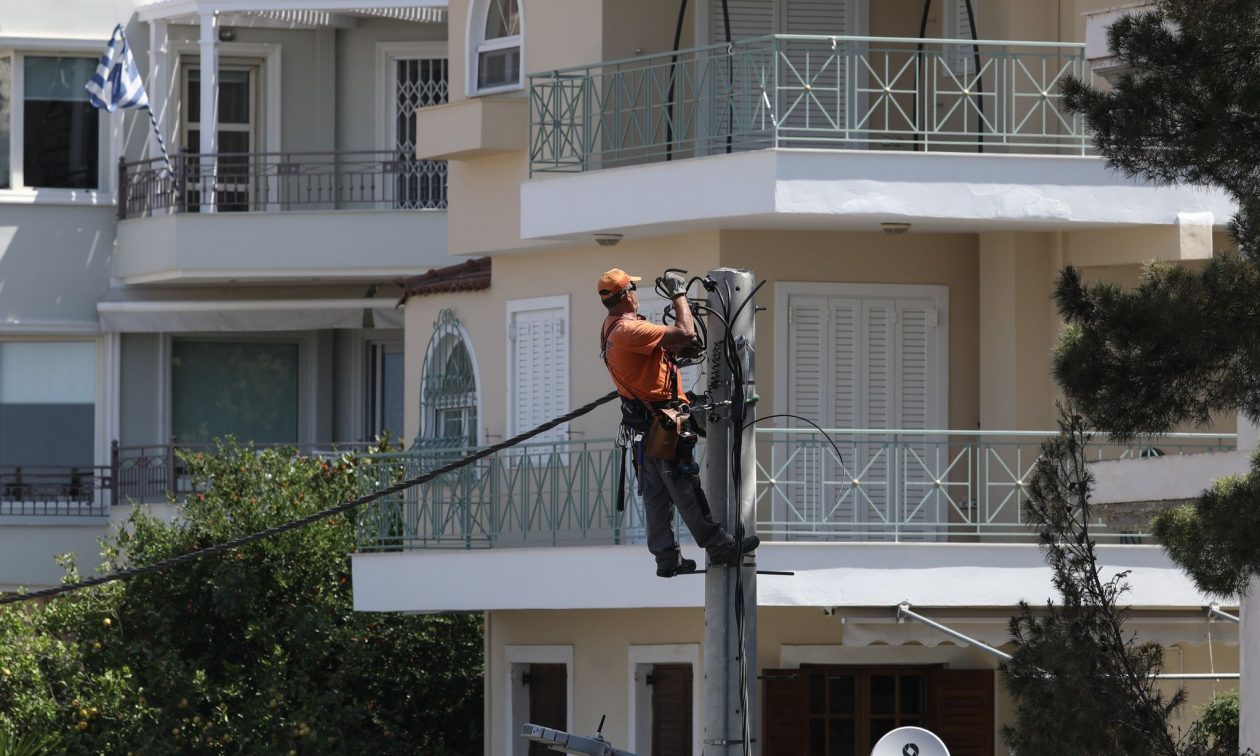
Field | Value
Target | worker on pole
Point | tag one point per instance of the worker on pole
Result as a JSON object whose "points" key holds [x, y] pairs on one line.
{"points": [[639, 355]]}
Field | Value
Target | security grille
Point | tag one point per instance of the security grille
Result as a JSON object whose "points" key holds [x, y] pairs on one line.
{"points": [[419, 83]]}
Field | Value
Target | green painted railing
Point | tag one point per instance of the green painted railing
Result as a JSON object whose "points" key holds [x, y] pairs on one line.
{"points": [[872, 485], [803, 91]]}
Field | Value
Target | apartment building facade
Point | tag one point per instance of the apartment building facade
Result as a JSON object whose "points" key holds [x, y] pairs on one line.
{"points": [[247, 287], [904, 179]]}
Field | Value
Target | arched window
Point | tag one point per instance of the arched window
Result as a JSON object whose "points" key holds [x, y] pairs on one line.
{"points": [[448, 393], [496, 26]]}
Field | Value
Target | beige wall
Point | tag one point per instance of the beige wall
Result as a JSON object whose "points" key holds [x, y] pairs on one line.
{"points": [[572, 272], [941, 259], [601, 641]]}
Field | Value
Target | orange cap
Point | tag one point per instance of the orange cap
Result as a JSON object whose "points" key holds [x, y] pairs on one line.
{"points": [[612, 282]]}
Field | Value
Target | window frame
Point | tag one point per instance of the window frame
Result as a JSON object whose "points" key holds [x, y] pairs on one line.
{"points": [[477, 44], [109, 133], [639, 659], [429, 414], [517, 658]]}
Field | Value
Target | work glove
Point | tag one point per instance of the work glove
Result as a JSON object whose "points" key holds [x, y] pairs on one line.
{"points": [[672, 284]]}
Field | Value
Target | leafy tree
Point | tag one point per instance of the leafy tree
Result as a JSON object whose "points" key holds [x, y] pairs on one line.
{"points": [[254, 651], [1216, 731], [1081, 684], [1184, 344]]}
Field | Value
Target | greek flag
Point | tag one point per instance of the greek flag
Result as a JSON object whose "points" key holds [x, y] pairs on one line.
{"points": [[117, 83]]}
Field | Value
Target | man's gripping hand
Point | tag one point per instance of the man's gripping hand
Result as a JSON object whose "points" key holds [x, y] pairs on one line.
{"points": [[672, 284]]}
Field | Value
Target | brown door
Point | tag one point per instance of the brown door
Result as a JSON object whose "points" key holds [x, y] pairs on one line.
{"points": [[671, 709], [963, 710], [548, 700]]}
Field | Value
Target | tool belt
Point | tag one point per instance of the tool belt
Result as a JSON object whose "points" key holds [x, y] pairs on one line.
{"points": [[663, 435]]}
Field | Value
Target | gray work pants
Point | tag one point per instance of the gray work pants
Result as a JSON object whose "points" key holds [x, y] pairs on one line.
{"points": [[664, 487]]}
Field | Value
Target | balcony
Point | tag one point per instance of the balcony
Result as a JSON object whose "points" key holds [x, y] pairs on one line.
{"points": [[810, 92], [289, 216], [794, 131], [882, 486], [149, 474]]}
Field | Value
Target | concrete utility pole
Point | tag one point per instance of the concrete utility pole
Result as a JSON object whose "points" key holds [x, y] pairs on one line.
{"points": [[729, 702]]}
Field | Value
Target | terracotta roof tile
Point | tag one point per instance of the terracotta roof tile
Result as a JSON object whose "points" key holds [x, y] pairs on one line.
{"points": [[471, 275]]}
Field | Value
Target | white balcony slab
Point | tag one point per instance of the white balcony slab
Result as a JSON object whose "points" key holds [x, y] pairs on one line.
{"points": [[1170, 478], [854, 190], [330, 245], [825, 575]]}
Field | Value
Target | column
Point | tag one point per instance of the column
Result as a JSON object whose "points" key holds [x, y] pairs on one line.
{"points": [[209, 119], [159, 82]]}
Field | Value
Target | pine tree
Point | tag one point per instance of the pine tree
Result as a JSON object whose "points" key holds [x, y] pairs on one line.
{"points": [[1081, 684], [1184, 344]]}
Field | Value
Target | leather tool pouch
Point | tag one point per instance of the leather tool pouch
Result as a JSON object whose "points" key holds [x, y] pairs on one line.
{"points": [[662, 435]]}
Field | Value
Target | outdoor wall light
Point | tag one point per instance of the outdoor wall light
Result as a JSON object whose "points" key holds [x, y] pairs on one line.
{"points": [[607, 240], [895, 229], [227, 34]]}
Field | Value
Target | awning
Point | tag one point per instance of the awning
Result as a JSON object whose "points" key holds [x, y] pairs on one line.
{"points": [[299, 12], [190, 316]]}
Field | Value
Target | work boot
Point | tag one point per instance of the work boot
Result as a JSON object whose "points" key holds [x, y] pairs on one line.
{"points": [[684, 567], [726, 554]]}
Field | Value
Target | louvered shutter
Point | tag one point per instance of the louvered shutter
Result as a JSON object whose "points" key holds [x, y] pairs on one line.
{"points": [[548, 700], [540, 370], [843, 385], [749, 18], [962, 711], [786, 713], [799, 494], [812, 74], [875, 492], [957, 25], [919, 501], [671, 710]]}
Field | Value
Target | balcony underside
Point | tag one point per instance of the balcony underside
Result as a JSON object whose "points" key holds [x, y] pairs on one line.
{"points": [[331, 245], [824, 575], [853, 190]]}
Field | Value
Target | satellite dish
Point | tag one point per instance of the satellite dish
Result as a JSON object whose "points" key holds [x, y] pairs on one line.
{"points": [[910, 741]]}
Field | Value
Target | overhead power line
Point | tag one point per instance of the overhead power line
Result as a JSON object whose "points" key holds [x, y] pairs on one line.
{"points": [[245, 540]]}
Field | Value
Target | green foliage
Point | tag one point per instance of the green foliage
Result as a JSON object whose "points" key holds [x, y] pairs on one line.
{"points": [[13, 745], [1184, 344], [1216, 731], [1080, 683], [1214, 539], [253, 651]]}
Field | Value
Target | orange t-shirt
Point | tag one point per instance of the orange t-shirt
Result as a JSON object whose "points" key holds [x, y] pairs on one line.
{"points": [[636, 360]]}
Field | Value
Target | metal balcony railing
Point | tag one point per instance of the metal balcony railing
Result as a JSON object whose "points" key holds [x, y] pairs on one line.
{"points": [[281, 181], [816, 92], [135, 475], [883, 485], [45, 491]]}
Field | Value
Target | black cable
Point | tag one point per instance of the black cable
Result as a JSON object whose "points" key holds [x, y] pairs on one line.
{"points": [[236, 543], [673, 78], [804, 420]]}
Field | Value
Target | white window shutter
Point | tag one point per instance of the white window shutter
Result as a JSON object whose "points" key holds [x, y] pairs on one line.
{"points": [[956, 24], [807, 368], [813, 76], [540, 371], [749, 18], [916, 358]]}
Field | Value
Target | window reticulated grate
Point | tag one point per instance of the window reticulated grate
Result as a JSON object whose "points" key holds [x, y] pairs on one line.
{"points": [[448, 393]]}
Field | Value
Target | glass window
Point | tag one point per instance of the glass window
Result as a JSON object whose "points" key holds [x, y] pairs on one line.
{"points": [[60, 128], [6, 118], [47, 403], [448, 396], [245, 389], [385, 390], [499, 53]]}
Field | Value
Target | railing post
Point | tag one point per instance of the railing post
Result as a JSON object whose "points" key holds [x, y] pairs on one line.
{"points": [[172, 478], [121, 188], [113, 473]]}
